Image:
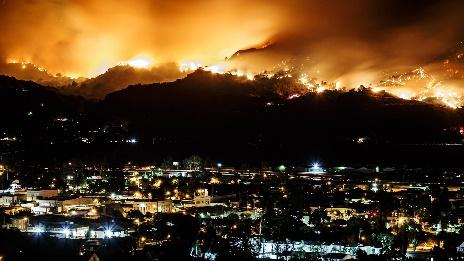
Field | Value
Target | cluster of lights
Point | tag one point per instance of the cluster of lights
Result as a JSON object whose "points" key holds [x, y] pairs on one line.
{"points": [[157, 183], [133, 141], [215, 180]]}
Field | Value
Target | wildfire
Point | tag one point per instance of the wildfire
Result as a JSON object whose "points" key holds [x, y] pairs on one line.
{"points": [[189, 66], [221, 68], [405, 95], [27, 65], [313, 86], [449, 98], [141, 62], [416, 84], [320, 89], [192, 66], [377, 90], [250, 76], [303, 79], [427, 85], [217, 69]]}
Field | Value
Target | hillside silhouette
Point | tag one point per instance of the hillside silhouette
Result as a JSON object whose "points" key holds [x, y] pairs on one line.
{"points": [[223, 114], [121, 76], [232, 118]]}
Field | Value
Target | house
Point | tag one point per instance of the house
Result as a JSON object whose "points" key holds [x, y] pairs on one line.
{"points": [[57, 226], [19, 223], [460, 248], [268, 249], [340, 213], [151, 206], [271, 249], [47, 206], [102, 231], [9, 200], [202, 199], [33, 195], [78, 202]]}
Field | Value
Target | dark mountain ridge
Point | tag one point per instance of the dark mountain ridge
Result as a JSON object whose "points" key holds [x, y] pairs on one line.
{"points": [[235, 119], [223, 114]]}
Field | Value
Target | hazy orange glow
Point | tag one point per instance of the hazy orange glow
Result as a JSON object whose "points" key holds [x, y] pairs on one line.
{"points": [[342, 43], [87, 37]]}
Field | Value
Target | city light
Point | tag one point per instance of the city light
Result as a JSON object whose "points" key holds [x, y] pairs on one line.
{"points": [[108, 233], [316, 168], [157, 183], [38, 229], [138, 195], [66, 232], [215, 180], [133, 141]]}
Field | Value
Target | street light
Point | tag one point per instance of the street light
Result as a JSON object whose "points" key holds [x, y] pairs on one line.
{"points": [[108, 233], [38, 229], [66, 232]]}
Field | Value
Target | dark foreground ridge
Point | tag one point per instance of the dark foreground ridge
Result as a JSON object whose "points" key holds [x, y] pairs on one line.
{"points": [[227, 117]]}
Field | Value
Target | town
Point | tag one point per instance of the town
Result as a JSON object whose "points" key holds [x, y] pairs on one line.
{"points": [[199, 210]]}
